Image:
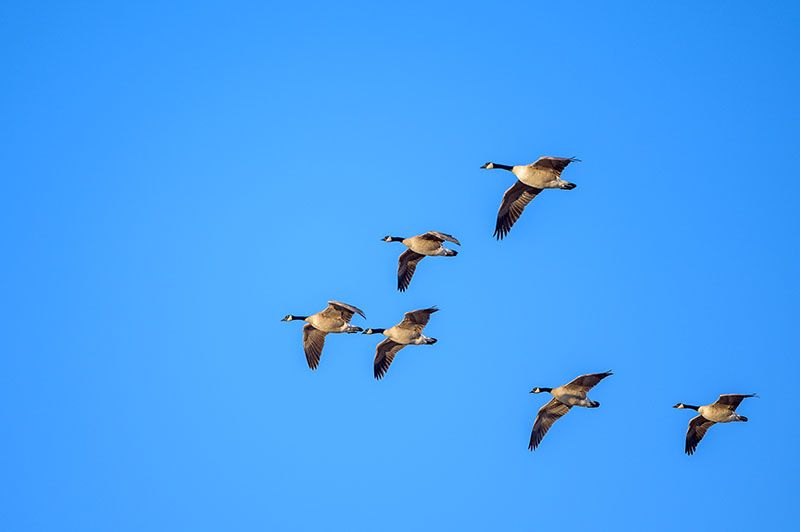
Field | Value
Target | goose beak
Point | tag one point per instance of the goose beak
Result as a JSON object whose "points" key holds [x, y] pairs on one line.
{"points": [[483, 167]]}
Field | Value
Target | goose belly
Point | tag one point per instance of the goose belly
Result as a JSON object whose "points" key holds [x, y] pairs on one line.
{"points": [[326, 325], [573, 399], [401, 336], [536, 178], [717, 415], [423, 247]]}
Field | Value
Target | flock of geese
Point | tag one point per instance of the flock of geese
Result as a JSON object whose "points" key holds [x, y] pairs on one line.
{"points": [[531, 180]]}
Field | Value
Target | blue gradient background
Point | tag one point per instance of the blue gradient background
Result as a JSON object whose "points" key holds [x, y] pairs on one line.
{"points": [[178, 177]]}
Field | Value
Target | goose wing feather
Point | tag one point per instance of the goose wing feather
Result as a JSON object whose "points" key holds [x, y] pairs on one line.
{"points": [[554, 164], [313, 342], [384, 355], [548, 414], [514, 202], [698, 427], [418, 317], [440, 237], [406, 266], [732, 400], [584, 383], [337, 309]]}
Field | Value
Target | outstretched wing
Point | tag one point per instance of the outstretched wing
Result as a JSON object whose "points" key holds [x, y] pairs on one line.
{"points": [[548, 414], [406, 266], [418, 317], [514, 202], [384, 354], [554, 164], [313, 342], [584, 383], [732, 400], [698, 427], [440, 237], [337, 309]]}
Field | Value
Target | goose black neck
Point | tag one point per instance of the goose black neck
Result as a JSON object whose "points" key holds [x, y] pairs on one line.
{"points": [[298, 317], [546, 389], [504, 167], [396, 239], [378, 331], [691, 407]]}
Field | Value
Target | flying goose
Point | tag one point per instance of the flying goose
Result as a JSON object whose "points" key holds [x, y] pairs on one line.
{"points": [[408, 331], [531, 179], [564, 398], [419, 246], [723, 410], [335, 318]]}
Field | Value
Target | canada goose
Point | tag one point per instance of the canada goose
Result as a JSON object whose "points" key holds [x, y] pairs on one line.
{"points": [[531, 179], [564, 398], [335, 318], [723, 410], [408, 331], [419, 246]]}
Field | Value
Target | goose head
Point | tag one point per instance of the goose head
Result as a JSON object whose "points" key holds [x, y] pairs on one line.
{"points": [[373, 331], [292, 317], [488, 166], [541, 390]]}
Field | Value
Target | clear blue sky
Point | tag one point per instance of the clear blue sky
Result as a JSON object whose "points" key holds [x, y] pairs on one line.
{"points": [[177, 178]]}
